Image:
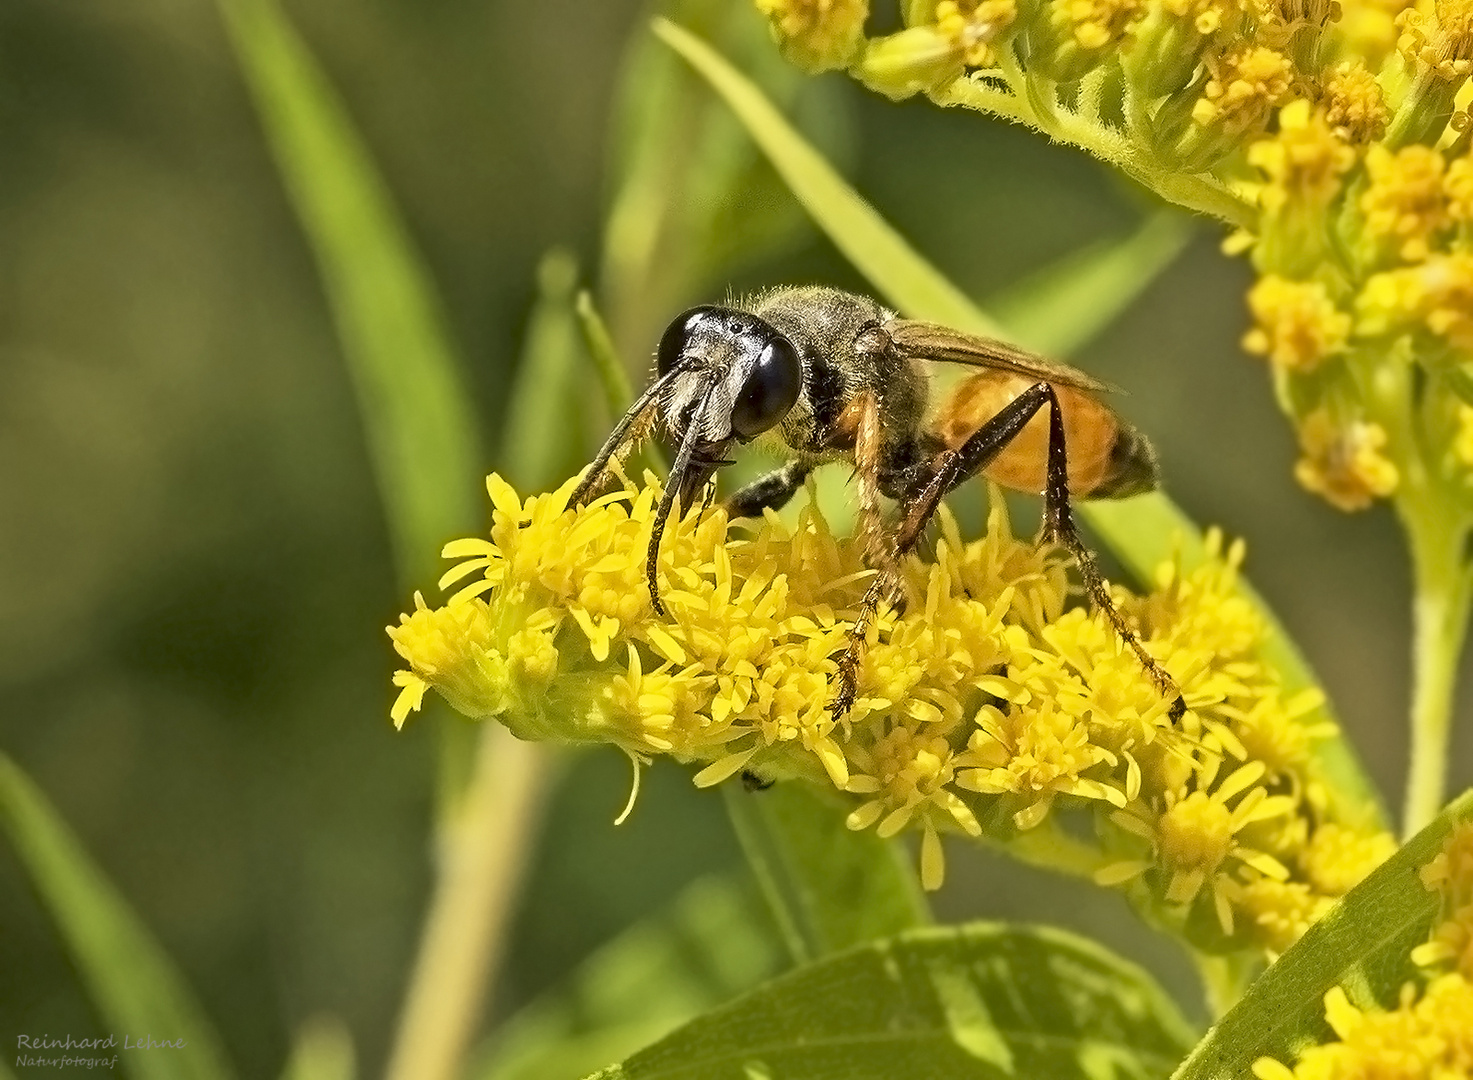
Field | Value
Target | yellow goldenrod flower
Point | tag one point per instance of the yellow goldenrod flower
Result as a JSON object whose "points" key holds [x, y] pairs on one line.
{"points": [[1429, 1036], [1442, 42], [975, 26], [1436, 295], [1355, 105], [1246, 82], [1094, 24], [1457, 186], [1206, 16], [1430, 1032], [990, 701], [1338, 858], [1404, 204], [1450, 873], [1298, 324], [1304, 161], [1343, 461], [818, 35], [1197, 833], [1278, 912], [919, 59]]}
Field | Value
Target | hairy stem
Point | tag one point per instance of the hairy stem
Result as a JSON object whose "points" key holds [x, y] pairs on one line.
{"points": [[1199, 192]]}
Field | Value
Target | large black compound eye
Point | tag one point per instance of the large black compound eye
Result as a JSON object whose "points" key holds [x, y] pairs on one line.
{"points": [[770, 389], [677, 335]]}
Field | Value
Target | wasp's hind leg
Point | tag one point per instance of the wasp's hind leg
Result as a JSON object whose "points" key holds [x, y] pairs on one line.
{"points": [[952, 468], [772, 490], [1058, 528]]}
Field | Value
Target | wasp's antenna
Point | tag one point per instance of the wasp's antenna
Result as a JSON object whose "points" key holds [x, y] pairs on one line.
{"points": [[673, 483], [594, 476]]}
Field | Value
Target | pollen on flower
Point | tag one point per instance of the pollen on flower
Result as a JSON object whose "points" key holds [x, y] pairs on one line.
{"points": [[1343, 461], [1354, 103], [973, 26], [1404, 203], [1246, 82], [1298, 325], [819, 35]]}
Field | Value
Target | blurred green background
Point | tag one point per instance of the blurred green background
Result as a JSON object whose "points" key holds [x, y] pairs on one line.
{"points": [[194, 565]]}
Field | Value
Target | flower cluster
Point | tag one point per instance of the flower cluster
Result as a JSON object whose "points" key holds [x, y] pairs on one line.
{"points": [[992, 704], [1430, 1032], [1334, 135]]}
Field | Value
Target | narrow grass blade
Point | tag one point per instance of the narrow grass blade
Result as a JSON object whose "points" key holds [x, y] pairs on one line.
{"points": [[541, 441], [419, 425], [851, 223], [1066, 305], [612, 378], [130, 980]]}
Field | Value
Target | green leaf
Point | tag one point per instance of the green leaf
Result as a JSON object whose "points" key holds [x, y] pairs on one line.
{"points": [[541, 443], [131, 981], [829, 887], [715, 943], [421, 434], [1362, 945], [1065, 306], [951, 1003], [1140, 531]]}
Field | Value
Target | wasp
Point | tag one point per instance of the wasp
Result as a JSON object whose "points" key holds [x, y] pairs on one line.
{"points": [[829, 375]]}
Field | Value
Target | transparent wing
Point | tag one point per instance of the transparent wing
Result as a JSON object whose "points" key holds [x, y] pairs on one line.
{"points": [[933, 341]]}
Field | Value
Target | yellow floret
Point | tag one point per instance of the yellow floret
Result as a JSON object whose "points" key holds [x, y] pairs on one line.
{"points": [[1343, 461], [1404, 203], [1298, 325]]}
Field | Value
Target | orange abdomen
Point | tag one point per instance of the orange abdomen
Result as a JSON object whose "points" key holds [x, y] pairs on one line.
{"points": [[1105, 456]]}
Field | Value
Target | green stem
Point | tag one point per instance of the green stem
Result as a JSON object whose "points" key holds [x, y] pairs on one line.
{"points": [[1224, 978], [483, 847], [1439, 624]]}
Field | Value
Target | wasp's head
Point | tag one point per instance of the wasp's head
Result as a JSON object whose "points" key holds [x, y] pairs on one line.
{"points": [[729, 377]]}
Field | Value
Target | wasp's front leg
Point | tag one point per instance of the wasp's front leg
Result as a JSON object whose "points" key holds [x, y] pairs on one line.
{"points": [[771, 490], [880, 550]]}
